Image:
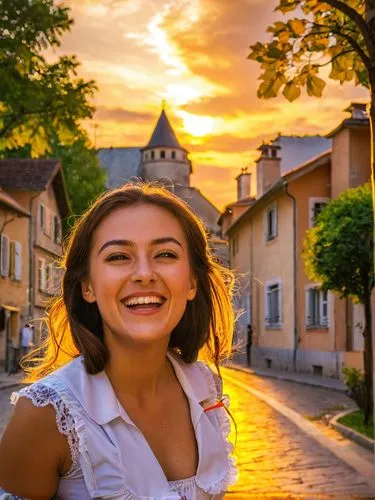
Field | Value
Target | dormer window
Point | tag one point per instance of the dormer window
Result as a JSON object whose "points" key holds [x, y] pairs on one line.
{"points": [[274, 152], [162, 154], [152, 155], [173, 155]]}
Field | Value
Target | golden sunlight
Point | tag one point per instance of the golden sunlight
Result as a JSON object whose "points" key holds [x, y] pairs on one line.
{"points": [[195, 125]]}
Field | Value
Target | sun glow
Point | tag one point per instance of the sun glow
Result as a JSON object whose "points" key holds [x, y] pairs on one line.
{"points": [[197, 126]]}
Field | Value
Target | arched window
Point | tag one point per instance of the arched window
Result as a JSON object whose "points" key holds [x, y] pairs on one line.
{"points": [[152, 155], [162, 154], [173, 155]]}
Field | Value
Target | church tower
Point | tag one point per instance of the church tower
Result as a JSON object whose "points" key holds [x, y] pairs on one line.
{"points": [[163, 159]]}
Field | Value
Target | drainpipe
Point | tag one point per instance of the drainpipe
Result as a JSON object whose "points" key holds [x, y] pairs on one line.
{"points": [[296, 338], [31, 255]]}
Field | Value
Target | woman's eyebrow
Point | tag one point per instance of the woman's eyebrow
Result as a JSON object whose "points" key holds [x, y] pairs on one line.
{"points": [[129, 243]]}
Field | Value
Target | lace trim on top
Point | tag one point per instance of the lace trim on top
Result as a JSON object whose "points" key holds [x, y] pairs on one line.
{"points": [[42, 395]]}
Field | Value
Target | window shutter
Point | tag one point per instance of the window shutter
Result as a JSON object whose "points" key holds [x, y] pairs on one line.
{"points": [[17, 260], [308, 307], [280, 301], [4, 260], [11, 260], [41, 275]]}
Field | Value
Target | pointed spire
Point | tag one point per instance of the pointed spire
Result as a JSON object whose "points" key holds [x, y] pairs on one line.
{"points": [[163, 134]]}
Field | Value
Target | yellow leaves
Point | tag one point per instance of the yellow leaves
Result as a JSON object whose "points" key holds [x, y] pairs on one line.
{"points": [[297, 26], [291, 91], [287, 5], [315, 86]]}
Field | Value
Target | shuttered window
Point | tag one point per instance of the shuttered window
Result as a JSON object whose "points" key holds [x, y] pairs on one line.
{"points": [[4, 255]]}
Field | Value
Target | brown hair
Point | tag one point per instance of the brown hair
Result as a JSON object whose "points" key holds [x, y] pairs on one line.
{"points": [[75, 326]]}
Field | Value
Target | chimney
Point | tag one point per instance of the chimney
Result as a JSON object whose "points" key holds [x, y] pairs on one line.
{"points": [[268, 167], [243, 184], [358, 111]]}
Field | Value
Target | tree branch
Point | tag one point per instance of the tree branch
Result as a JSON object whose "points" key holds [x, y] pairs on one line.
{"points": [[356, 18], [365, 58]]}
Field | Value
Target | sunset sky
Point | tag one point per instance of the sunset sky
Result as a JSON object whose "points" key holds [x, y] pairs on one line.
{"points": [[192, 53]]}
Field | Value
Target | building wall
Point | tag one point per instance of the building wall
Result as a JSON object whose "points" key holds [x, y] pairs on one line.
{"points": [[44, 245], [360, 160], [271, 261], [14, 293], [313, 185], [340, 161], [240, 255]]}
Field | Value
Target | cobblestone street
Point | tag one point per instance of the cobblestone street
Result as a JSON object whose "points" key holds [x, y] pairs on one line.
{"points": [[276, 458]]}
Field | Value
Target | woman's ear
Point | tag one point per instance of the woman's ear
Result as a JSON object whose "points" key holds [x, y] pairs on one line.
{"points": [[87, 292], [193, 289]]}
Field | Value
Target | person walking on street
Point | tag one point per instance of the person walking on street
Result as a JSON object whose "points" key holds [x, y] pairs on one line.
{"points": [[249, 343], [26, 339]]}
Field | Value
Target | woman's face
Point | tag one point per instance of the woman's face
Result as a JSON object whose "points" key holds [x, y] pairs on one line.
{"points": [[139, 273]]}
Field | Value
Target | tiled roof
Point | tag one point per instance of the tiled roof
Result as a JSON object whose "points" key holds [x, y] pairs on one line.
{"points": [[9, 202], [297, 150], [21, 174], [27, 175], [163, 134]]}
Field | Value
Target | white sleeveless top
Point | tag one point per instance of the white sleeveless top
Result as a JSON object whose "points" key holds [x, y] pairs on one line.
{"points": [[111, 458]]}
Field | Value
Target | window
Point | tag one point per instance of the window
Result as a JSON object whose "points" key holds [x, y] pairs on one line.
{"points": [[273, 304], [173, 155], [162, 154], [56, 230], [152, 155], [271, 223], [316, 205], [4, 255], [316, 310], [42, 217], [235, 244], [49, 278]]}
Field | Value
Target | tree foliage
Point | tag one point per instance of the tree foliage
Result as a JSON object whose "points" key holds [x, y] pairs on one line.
{"points": [[85, 179], [338, 254], [338, 250], [38, 99], [326, 33]]}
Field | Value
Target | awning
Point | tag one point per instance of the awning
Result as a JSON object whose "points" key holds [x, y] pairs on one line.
{"points": [[10, 308]]}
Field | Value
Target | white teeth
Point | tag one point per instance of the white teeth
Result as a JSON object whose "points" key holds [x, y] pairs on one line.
{"points": [[152, 299]]}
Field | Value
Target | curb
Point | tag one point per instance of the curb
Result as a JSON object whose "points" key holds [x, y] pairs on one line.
{"points": [[351, 434], [285, 377], [362, 466], [9, 385]]}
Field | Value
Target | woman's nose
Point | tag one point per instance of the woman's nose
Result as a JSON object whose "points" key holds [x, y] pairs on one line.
{"points": [[143, 271]]}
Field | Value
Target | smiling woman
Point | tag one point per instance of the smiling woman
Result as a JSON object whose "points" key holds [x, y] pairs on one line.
{"points": [[137, 415]]}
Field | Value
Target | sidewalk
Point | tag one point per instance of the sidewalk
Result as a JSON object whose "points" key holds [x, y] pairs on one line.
{"points": [[299, 378], [9, 380]]}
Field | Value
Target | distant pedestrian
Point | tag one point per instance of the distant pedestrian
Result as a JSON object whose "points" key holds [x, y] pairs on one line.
{"points": [[249, 343], [26, 339]]}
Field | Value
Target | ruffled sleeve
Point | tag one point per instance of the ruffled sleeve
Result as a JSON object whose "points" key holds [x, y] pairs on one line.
{"points": [[42, 394]]}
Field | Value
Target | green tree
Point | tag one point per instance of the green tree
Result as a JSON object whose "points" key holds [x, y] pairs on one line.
{"points": [[85, 179], [338, 255], [38, 99], [335, 33]]}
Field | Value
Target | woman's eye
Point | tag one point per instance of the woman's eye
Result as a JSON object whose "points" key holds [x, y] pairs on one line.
{"points": [[119, 256], [167, 255]]}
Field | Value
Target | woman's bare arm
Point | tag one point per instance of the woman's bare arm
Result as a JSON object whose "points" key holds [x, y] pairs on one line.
{"points": [[32, 452]]}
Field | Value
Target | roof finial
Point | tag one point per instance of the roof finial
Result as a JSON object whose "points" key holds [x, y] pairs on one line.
{"points": [[163, 105]]}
